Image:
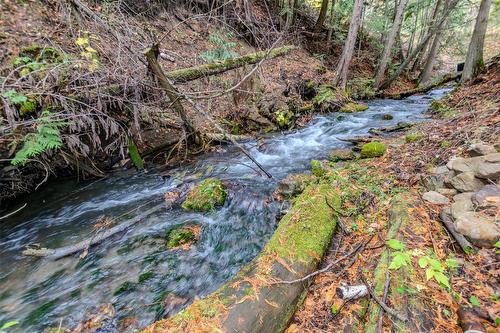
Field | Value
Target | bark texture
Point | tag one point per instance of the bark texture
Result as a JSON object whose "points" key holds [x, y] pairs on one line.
{"points": [[345, 59], [389, 43], [474, 62]]}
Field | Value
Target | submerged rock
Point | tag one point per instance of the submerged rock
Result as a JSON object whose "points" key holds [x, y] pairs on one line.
{"points": [[435, 198], [183, 236], [466, 182], [205, 196], [372, 149]]}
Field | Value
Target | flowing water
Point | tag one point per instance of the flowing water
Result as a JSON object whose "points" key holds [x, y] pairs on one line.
{"points": [[133, 272]]}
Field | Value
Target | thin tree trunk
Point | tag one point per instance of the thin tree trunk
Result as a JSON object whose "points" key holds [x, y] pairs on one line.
{"points": [[322, 16], [419, 58], [389, 43], [414, 31], [422, 44], [174, 97], [330, 28], [343, 65], [474, 62], [431, 57]]}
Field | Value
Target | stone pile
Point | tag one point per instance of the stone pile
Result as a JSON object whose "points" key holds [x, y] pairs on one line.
{"points": [[473, 183]]}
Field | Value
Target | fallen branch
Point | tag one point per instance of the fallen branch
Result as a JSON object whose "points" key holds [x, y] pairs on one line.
{"points": [[461, 240], [384, 306], [420, 90], [351, 292], [193, 73], [54, 254], [12, 213], [221, 137], [396, 128]]}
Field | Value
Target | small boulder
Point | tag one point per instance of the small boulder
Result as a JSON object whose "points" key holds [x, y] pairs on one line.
{"points": [[353, 107], [292, 185], [486, 167], [481, 149], [205, 196], [435, 198], [440, 177], [466, 182], [488, 196], [481, 231], [372, 149], [183, 236], [462, 204], [341, 155]]}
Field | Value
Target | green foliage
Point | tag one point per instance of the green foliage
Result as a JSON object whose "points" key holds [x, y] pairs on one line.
{"points": [[334, 310], [325, 93], [400, 258], [14, 97], [372, 149], [434, 269], [7, 325], [134, 154], [88, 52], [474, 301], [47, 137], [317, 168], [497, 247], [395, 244], [223, 48]]}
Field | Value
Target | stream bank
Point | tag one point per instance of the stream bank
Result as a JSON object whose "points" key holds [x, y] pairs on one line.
{"points": [[231, 236]]}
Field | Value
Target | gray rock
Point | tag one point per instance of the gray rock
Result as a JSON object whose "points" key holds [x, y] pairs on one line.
{"points": [[466, 182], [462, 204], [480, 230], [292, 185], [488, 196], [443, 169], [481, 149], [337, 155], [440, 179], [487, 167], [447, 191], [435, 198]]}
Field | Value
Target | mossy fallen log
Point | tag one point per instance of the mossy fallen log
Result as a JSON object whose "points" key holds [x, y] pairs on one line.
{"points": [[251, 302], [193, 73]]}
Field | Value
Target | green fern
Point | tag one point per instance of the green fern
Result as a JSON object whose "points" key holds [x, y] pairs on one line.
{"points": [[47, 137], [223, 48]]}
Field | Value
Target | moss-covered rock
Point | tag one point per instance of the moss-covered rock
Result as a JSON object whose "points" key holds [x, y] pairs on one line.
{"points": [[317, 168], [372, 149], [353, 107], [178, 237], [293, 185], [361, 88], [205, 196]]}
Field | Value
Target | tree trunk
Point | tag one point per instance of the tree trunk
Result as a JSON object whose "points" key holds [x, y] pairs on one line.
{"points": [[345, 59], [193, 73], [421, 46], [474, 62], [174, 97], [322, 16], [431, 22], [431, 57], [389, 43]]}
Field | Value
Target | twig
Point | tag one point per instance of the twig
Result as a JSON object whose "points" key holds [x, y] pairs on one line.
{"points": [[12, 213], [461, 240], [386, 291], [326, 268], [384, 306]]}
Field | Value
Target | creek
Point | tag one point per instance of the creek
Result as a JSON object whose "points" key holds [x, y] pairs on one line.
{"points": [[133, 272]]}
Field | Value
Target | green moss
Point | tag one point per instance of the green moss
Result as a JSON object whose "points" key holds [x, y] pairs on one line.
{"points": [[134, 154], [413, 137], [327, 98], [372, 149], [124, 287], [444, 110], [36, 315], [361, 88], [317, 168], [445, 144], [205, 196], [305, 231], [179, 236], [353, 107], [145, 277]]}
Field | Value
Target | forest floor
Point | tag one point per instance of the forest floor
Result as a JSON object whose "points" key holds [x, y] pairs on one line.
{"points": [[471, 116], [271, 99]]}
